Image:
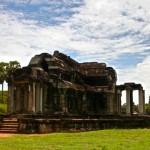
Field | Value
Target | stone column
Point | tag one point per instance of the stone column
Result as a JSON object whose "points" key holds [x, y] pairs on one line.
{"points": [[119, 102], [33, 98], [144, 101], [63, 101], [45, 99], [37, 98], [30, 98], [109, 103], [26, 97], [141, 102], [129, 101], [10, 102], [41, 99], [18, 99], [84, 106]]}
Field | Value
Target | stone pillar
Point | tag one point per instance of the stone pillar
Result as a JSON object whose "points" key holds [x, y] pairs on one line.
{"points": [[37, 98], [33, 98], [26, 96], [109, 103], [63, 102], [45, 99], [141, 102], [10, 102], [144, 101], [41, 99], [119, 102], [84, 106], [129, 101], [30, 98], [18, 99]]}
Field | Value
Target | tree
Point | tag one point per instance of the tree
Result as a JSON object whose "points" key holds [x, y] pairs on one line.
{"points": [[3, 73], [147, 109], [5, 68], [13, 65], [123, 108]]}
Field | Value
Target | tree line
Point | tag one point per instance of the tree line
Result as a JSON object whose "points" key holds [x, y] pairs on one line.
{"points": [[136, 108], [6, 67]]}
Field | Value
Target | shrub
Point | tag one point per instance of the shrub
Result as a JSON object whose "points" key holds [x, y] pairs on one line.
{"points": [[5, 96], [3, 108]]}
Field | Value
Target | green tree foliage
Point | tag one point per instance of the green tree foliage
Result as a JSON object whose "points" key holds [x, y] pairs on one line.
{"points": [[5, 97], [4, 69], [3, 73], [13, 65], [123, 109], [147, 109], [3, 104], [3, 108]]}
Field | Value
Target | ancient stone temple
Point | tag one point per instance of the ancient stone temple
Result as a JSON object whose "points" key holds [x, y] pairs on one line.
{"points": [[57, 84], [55, 93]]}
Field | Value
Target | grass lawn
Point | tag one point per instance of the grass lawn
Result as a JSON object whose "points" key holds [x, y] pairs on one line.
{"points": [[117, 139]]}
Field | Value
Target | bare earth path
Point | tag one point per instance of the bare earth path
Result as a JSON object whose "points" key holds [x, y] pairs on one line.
{"points": [[5, 135], [9, 135]]}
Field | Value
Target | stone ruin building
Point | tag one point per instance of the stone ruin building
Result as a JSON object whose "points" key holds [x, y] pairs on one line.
{"points": [[57, 84], [55, 93]]}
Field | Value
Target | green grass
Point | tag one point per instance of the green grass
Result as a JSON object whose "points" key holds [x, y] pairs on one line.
{"points": [[117, 139]]}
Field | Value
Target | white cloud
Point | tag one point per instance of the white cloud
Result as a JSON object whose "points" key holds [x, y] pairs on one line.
{"points": [[100, 31], [138, 74]]}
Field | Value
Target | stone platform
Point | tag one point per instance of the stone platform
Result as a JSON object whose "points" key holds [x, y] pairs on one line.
{"points": [[64, 123]]}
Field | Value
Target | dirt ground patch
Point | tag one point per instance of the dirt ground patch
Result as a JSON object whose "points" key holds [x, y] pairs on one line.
{"points": [[9, 135], [5, 135]]}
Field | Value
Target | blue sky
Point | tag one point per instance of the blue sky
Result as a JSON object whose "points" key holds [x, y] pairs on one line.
{"points": [[115, 32]]}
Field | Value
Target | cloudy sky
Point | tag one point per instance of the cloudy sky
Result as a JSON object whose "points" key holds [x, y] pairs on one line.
{"points": [[116, 32]]}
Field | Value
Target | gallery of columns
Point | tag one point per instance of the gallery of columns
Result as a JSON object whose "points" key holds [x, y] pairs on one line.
{"points": [[32, 98], [26, 98], [129, 88]]}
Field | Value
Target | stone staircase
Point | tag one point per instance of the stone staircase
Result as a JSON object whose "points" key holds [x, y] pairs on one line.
{"points": [[9, 125]]}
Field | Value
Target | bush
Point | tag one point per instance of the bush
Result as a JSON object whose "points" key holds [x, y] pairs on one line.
{"points": [[3, 104], [147, 109], [3, 108], [5, 96]]}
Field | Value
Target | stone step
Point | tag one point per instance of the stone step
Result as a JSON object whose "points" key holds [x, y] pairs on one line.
{"points": [[8, 128], [5, 128], [8, 131], [10, 120], [9, 125]]}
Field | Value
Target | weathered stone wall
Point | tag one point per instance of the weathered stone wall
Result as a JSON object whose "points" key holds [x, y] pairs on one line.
{"points": [[49, 125]]}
